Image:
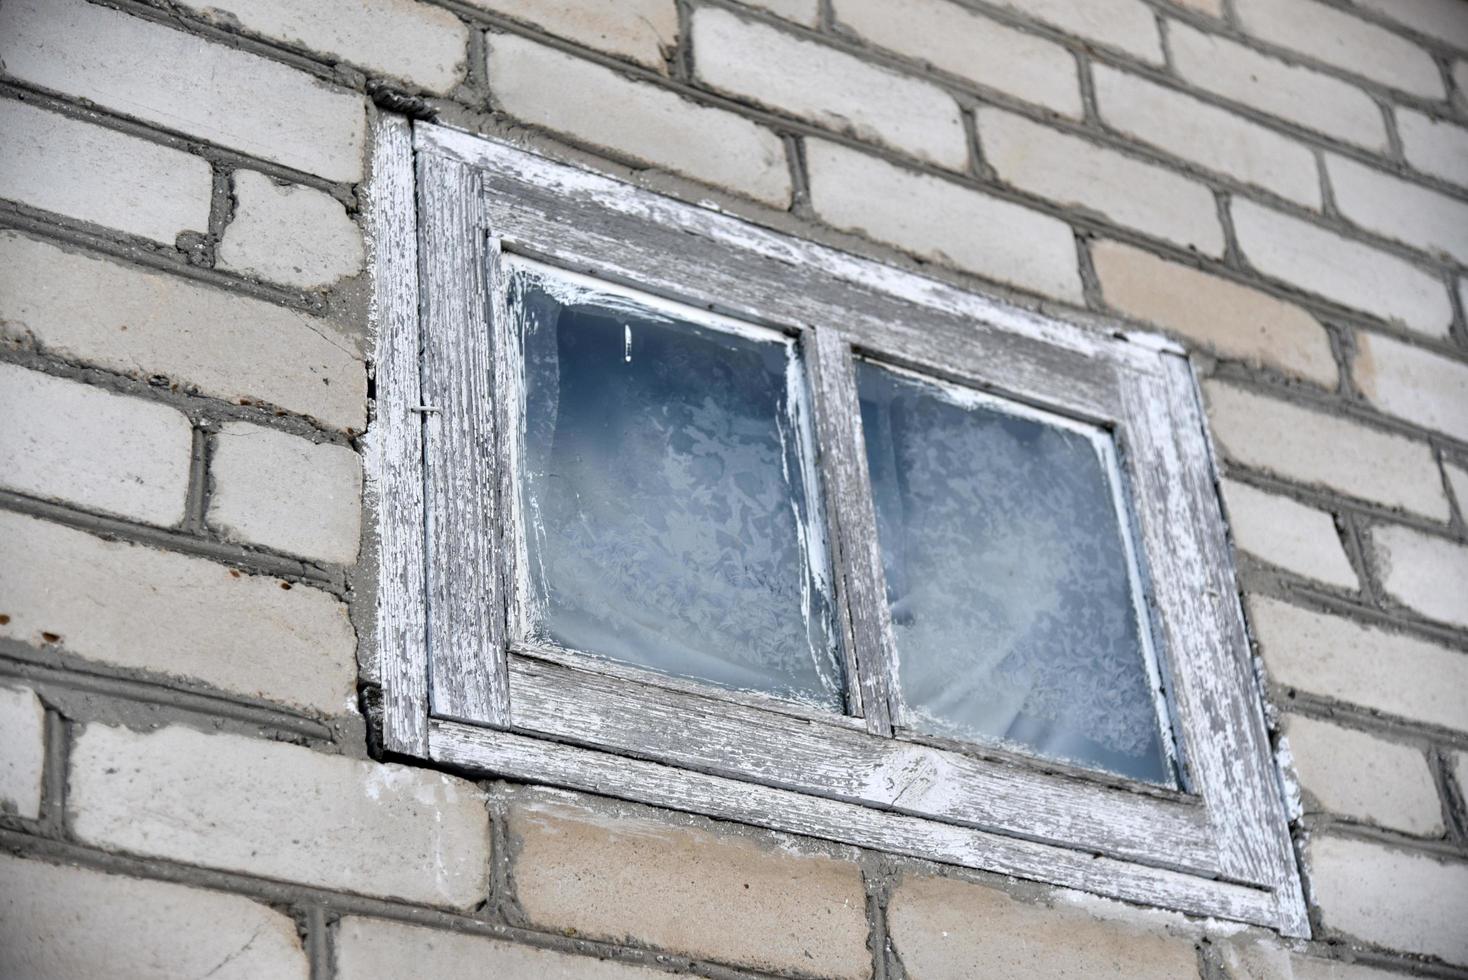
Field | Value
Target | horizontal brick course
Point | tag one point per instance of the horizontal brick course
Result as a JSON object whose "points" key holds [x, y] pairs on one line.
{"points": [[22, 750], [60, 921], [1413, 384], [1283, 532], [1266, 960], [288, 234], [644, 31], [828, 87], [1300, 95], [947, 930], [1424, 572], [64, 440], [1442, 20], [286, 493], [370, 949], [1213, 138], [1434, 146], [1367, 666], [1341, 269], [1391, 897], [963, 43], [691, 890], [1126, 25], [281, 811], [89, 173], [423, 45], [1398, 209], [1230, 318], [133, 607], [154, 325], [1357, 775], [185, 83], [1076, 172], [941, 221], [591, 103], [1344, 40], [1301, 444]]}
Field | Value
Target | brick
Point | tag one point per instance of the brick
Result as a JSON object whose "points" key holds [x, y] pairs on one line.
{"points": [[1075, 172], [1299, 95], [1460, 81], [1403, 900], [1213, 8], [1126, 25], [943, 929], [22, 752], [680, 887], [942, 221], [412, 41], [1413, 384], [1434, 147], [281, 811], [1346, 41], [1268, 961], [61, 921], [1399, 209], [1233, 320], [1343, 271], [1423, 572], [644, 31], [1357, 775], [1458, 481], [1460, 771], [56, 163], [804, 12], [548, 88], [1206, 135], [135, 608], [369, 949], [1445, 20], [288, 234], [286, 493], [66, 441], [1372, 668], [1304, 445], [1282, 532], [828, 87], [961, 42], [156, 326], [185, 83]]}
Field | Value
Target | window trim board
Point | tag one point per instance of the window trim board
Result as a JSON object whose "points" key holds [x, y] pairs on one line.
{"points": [[475, 194]]}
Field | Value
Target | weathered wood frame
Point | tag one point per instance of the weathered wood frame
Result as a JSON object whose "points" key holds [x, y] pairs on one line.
{"points": [[460, 688]]}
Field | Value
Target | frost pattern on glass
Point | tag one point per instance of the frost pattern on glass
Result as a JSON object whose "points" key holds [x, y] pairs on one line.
{"points": [[666, 489], [1008, 580]]}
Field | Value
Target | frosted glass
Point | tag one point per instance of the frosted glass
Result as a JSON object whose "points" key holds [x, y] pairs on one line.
{"points": [[1010, 585], [666, 489]]}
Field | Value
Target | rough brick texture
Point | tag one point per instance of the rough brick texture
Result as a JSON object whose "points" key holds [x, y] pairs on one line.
{"points": [[192, 780]]}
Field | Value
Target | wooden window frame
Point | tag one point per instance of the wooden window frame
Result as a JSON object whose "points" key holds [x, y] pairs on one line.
{"points": [[445, 207]]}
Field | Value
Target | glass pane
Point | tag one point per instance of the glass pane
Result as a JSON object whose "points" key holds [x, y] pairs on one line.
{"points": [[666, 490], [1012, 589]]}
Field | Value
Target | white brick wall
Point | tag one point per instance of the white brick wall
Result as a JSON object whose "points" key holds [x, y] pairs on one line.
{"points": [[1282, 532], [1075, 172], [595, 105], [985, 235], [146, 324], [1126, 25], [64, 440], [60, 164], [643, 31], [134, 608], [1358, 775], [60, 921], [288, 234], [976, 48], [1413, 384], [1442, 19], [1397, 209], [185, 84], [22, 752], [286, 493], [1424, 572], [1433, 146], [281, 811], [827, 87]]}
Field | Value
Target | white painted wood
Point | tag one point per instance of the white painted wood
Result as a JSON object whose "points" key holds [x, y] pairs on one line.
{"points": [[395, 440]]}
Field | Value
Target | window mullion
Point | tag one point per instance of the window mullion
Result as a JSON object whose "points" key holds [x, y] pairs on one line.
{"points": [[856, 558]]}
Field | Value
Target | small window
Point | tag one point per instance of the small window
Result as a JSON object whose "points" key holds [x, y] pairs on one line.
{"points": [[678, 509]]}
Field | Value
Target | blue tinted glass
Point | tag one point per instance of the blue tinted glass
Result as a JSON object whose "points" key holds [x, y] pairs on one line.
{"points": [[666, 493], [1011, 588]]}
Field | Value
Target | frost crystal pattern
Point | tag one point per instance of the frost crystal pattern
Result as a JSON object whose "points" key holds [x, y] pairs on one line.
{"points": [[1008, 579], [666, 492]]}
